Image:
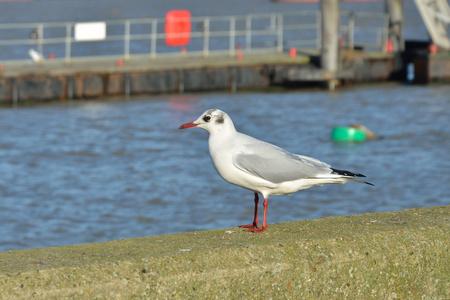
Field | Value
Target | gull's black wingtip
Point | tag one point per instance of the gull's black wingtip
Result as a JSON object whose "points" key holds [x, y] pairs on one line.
{"points": [[350, 174], [346, 173]]}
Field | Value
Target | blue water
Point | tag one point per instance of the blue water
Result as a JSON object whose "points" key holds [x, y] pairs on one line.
{"points": [[82, 172]]}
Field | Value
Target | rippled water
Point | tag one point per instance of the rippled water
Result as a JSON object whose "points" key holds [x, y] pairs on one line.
{"points": [[94, 171]]}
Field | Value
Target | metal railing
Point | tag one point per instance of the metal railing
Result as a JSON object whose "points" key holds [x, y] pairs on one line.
{"points": [[137, 38], [363, 30]]}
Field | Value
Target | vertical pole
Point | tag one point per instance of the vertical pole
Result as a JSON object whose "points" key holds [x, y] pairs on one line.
{"points": [[70, 88], [330, 39], [319, 30], [206, 38], [126, 40], [280, 33], [68, 42], [15, 92], [40, 32], [233, 79], [153, 39], [127, 86], [394, 9], [232, 35], [351, 31], [248, 33], [180, 81]]}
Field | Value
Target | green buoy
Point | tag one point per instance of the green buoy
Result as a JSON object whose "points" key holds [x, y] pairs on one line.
{"points": [[347, 134]]}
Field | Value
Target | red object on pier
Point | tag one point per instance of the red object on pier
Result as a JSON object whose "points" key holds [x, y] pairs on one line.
{"points": [[433, 49], [178, 27], [389, 46], [293, 52]]}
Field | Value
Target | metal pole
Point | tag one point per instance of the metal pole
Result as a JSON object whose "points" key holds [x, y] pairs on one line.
{"points": [[40, 39], [280, 33], [180, 81], [319, 30], [127, 85], [153, 39], [127, 40], [68, 42], [248, 33], [15, 92], [273, 22], [69, 87], [206, 38], [232, 35], [351, 31]]}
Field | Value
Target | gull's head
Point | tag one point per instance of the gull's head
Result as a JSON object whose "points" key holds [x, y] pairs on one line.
{"points": [[212, 120]]}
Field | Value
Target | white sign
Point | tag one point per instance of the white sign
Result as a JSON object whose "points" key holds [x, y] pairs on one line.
{"points": [[90, 31]]}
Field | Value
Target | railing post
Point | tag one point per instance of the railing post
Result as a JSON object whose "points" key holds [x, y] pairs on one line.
{"points": [[273, 22], [351, 31], [126, 39], [206, 37], [40, 32], [280, 33], [68, 42], [232, 35], [248, 33], [318, 30], [153, 39]]}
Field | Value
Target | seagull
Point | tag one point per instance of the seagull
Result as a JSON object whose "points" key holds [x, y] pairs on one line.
{"points": [[35, 56], [261, 167]]}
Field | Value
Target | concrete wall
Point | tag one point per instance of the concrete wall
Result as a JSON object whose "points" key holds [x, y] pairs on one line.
{"points": [[392, 255]]}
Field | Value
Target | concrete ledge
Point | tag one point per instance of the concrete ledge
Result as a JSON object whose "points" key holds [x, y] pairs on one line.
{"points": [[392, 255]]}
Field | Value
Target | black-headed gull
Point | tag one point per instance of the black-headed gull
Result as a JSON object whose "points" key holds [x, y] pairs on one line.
{"points": [[262, 167]]}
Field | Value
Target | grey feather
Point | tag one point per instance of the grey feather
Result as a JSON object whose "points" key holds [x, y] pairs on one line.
{"points": [[279, 165]]}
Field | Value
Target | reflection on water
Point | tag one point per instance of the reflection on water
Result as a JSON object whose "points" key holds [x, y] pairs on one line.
{"points": [[96, 171]]}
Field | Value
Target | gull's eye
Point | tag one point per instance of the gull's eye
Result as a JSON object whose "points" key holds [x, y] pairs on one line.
{"points": [[207, 118]]}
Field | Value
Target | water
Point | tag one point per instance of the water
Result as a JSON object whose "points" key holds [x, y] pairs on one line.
{"points": [[84, 172]]}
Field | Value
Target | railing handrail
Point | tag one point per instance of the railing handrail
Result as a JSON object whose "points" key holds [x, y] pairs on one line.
{"points": [[271, 30]]}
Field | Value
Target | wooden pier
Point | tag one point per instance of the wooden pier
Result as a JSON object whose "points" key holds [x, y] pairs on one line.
{"points": [[111, 78]]}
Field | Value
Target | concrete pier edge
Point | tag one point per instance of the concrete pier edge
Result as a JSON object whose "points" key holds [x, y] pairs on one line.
{"points": [[389, 255]]}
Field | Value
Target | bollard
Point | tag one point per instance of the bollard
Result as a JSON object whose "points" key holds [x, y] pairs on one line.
{"points": [[432, 49], [389, 47], [239, 55], [293, 52]]}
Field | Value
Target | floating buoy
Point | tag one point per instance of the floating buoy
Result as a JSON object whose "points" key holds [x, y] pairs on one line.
{"points": [[347, 134]]}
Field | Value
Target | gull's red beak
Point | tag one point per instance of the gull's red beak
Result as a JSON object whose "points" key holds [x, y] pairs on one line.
{"points": [[187, 125]]}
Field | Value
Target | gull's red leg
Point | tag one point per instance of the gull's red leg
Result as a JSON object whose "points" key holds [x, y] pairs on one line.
{"points": [[264, 226], [255, 219]]}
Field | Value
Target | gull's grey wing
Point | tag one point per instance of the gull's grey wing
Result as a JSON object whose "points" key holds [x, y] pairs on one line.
{"points": [[277, 165]]}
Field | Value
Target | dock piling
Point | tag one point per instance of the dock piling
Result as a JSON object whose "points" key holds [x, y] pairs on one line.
{"points": [[329, 56]]}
